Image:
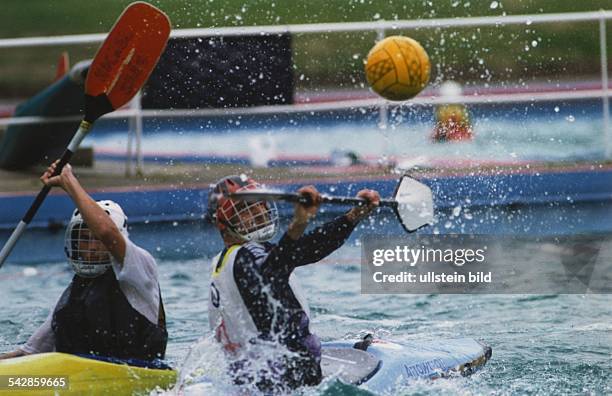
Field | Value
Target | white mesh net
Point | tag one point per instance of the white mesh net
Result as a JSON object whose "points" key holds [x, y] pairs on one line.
{"points": [[88, 256]]}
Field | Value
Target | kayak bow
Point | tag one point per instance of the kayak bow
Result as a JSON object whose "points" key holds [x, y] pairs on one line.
{"points": [[85, 375]]}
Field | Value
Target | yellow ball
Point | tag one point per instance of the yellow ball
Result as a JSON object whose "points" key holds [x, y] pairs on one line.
{"points": [[397, 68]]}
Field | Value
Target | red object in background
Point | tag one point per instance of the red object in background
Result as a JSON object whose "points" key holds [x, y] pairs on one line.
{"points": [[452, 124], [63, 65]]}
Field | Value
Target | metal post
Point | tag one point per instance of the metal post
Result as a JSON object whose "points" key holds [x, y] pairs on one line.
{"points": [[130, 137], [138, 130], [383, 110], [604, 85]]}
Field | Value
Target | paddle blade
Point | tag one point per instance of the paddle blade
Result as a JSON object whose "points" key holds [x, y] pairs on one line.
{"points": [[415, 207], [126, 58]]}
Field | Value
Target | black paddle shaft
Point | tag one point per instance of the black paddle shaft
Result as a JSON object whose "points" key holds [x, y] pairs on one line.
{"points": [[412, 201], [27, 218], [305, 200], [95, 107], [350, 201]]}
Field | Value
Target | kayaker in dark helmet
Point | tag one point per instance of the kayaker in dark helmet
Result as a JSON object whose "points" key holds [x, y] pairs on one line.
{"points": [[255, 300], [113, 306]]}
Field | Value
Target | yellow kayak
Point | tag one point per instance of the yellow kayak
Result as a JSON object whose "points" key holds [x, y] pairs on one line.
{"points": [[74, 375]]}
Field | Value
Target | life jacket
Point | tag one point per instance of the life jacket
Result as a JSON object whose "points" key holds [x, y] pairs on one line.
{"points": [[228, 315], [93, 316]]}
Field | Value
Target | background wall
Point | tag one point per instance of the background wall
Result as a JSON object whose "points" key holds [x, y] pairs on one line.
{"points": [[492, 55]]}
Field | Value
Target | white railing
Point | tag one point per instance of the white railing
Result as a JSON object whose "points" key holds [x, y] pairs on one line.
{"points": [[135, 113], [330, 27]]}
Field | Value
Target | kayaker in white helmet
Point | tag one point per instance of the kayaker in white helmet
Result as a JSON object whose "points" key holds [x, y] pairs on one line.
{"points": [[113, 306], [255, 301]]}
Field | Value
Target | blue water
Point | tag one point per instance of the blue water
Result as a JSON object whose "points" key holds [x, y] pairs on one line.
{"points": [[542, 344], [546, 131]]}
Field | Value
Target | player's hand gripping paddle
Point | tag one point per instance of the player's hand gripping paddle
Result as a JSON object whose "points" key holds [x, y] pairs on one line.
{"points": [[121, 66], [412, 201]]}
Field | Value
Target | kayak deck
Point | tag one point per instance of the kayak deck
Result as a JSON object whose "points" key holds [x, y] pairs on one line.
{"points": [[384, 364], [378, 367], [85, 376]]}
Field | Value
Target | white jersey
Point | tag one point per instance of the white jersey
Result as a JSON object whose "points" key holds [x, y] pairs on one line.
{"points": [[137, 278], [228, 315]]}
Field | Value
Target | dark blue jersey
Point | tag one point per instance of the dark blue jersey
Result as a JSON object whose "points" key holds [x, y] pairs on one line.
{"points": [[262, 271]]}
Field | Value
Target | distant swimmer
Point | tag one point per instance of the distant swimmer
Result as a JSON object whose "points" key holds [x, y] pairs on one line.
{"points": [[452, 120], [113, 306], [255, 307]]}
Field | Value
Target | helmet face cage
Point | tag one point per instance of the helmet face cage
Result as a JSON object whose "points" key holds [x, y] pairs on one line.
{"points": [[87, 255], [251, 221], [248, 221]]}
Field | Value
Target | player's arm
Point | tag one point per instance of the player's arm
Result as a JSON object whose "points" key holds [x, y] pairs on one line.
{"points": [[327, 238], [13, 354], [303, 213], [97, 220], [42, 340]]}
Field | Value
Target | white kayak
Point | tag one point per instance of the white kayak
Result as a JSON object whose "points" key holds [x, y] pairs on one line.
{"points": [[380, 366], [384, 365]]}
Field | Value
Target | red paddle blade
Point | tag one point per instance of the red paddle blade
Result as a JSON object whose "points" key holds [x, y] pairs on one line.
{"points": [[127, 57]]}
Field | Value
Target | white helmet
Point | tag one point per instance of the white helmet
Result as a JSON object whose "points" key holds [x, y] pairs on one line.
{"points": [[88, 257]]}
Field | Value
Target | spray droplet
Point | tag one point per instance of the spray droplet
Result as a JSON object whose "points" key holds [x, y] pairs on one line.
{"points": [[494, 5], [556, 109]]}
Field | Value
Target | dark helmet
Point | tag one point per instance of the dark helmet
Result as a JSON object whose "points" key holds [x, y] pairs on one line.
{"points": [[249, 221]]}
